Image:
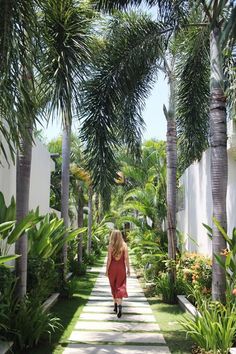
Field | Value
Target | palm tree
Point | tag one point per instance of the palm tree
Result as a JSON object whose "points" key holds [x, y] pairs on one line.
{"points": [[66, 27], [145, 186], [18, 106], [123, 81], [218, 139], [90, 218], [82, 184], [80, 217], [18, 28], [220, 18]]}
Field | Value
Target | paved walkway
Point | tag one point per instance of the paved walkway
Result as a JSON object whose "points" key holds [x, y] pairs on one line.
{"points": [[99, 331]]}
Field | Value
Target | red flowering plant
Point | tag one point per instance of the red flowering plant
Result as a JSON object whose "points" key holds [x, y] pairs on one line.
{"points": [[197, 271]]}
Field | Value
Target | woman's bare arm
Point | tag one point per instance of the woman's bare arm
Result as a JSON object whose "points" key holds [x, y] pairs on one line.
{"points": [[127, 260], [108, 259]]}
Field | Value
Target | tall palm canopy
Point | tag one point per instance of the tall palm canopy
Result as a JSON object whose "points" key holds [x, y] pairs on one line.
{"points": [[65, 27], [18, 28], [115, 95]]}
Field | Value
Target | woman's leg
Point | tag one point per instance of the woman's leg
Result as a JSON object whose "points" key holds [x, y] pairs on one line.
{"points": [[119, 301]]}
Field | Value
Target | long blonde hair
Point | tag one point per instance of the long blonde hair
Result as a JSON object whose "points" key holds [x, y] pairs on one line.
{"points": [[116, 243]]}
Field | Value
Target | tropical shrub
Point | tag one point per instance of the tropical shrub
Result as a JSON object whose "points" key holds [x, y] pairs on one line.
{"points": [[78, 269], [214, 329], [47, 238], [7, 284], [227, 260], [197, 270], [10, 231], [42, 277], [31, 323], [90, 259], [168, 290], [25, 322]]}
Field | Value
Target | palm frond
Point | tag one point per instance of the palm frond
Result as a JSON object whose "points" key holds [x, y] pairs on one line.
{"points": [[229, 29], [109, 5], [230, 75], [115, 96], [65, 26], [170, 12], [18, 30], [193, 72]]}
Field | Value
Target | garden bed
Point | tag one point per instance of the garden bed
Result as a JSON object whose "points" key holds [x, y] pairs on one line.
{"points": [[190, 308]]}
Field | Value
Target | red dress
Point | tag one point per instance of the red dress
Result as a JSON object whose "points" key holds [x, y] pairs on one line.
{"points": [[117, 277]]}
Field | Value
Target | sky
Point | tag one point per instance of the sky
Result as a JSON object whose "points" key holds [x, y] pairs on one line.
{"points": [[153, 113]]}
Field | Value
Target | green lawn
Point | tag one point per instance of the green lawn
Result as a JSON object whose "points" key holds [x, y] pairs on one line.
{"points": [[68, 310], [168, 318]]}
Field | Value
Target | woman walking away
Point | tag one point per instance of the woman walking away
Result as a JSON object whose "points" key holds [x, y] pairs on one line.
{"points": [[117, 264]]}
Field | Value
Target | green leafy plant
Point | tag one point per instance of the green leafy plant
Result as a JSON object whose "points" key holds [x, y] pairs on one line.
{"points": [[47, 238], [42, 277], [7, 283], [72, 287], [227, 259], [10, 231], [90, 259], [166, 289], [78, 269], [31, 323], [196, 270], [214, 329]]}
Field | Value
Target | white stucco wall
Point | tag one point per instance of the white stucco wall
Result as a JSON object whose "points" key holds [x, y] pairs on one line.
{"points": [[41, 168], [198, 203], [40, 178], [7, 178]]}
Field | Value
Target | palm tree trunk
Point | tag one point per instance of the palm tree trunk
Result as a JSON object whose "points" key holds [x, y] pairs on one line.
{"points": [[80, 216], [23, 170], [97, 211], [90, 219], [65, 178], [171, 147], [219, 163], [171, 160]]}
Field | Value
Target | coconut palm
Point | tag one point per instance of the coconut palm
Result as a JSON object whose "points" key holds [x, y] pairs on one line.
{"points": [[66, 25]]}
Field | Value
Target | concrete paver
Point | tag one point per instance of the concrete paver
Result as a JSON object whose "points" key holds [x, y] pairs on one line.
{"points": [[112, 317], [105, 298], [117, 326], [126, 303], [145, 338], [113, 349], [109, 309]]}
